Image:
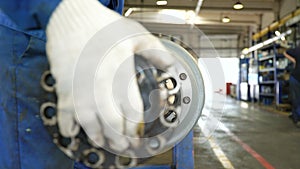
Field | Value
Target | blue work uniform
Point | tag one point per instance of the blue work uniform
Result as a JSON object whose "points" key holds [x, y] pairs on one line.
{"points": [[24, 141], [295, 84]]}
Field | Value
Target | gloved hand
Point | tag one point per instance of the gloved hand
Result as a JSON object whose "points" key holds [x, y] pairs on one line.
{"points": [[119, 107]]}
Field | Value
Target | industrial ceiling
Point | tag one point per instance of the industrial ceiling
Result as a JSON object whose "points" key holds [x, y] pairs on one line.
{"points": [[243, 22]]}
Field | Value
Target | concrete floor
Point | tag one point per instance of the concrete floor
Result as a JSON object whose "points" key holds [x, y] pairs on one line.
{"points": [[245, 136]]}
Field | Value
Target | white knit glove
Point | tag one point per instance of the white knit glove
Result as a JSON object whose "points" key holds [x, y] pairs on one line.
{"points": [[119, 107]]}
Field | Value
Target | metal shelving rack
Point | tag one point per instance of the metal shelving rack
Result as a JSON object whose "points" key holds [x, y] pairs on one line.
{"points": [[271, 88], [244, 93]]}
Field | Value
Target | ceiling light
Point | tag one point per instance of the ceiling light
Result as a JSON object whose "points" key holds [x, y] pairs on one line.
{"points": [[266, 42], [277, 33], [238, 5], [164, 2], [225, 19], [128, 12]]}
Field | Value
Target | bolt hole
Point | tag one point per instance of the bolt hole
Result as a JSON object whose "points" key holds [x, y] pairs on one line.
{"points": [[125, 161], [49, 80], [50, 112], [171, 99], [170, 83], [170, 116], [186, 100], [64, 141], [154, 143], [182, 76], [93, 158]]}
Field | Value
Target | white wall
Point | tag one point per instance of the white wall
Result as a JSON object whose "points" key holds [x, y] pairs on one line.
{"points": [[231, 69], [225, 45], [204, 45], [187, 35]]}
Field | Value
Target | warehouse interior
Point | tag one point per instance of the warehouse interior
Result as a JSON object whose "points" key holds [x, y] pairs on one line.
{"points": [[150, 84], [245, 121]]}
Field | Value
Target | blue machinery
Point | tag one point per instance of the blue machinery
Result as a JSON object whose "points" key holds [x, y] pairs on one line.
{"points": [[183, 156]]}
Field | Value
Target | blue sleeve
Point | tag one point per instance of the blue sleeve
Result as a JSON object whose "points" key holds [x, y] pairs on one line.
{"points": [[117, 5], [34, 14]]}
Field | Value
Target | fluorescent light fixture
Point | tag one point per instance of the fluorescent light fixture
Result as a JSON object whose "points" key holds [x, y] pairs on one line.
{"points": [[277, 33], [255, 47], [190, 15], [128, 12], [163, 2], [238, 5], [267, 42], [225, 19], [245, 51], [179, 14]]}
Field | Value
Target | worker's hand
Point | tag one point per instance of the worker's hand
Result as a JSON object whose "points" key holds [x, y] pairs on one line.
{"points": [[90, 49]]}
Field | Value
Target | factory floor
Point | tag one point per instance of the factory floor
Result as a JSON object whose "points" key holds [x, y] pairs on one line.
{"points": [[243, 135]]}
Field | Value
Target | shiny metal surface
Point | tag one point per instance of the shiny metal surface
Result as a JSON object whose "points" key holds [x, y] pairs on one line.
{"points": [[183, 101]]}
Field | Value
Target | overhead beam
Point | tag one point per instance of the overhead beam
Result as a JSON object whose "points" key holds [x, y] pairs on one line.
{"points": [[203, 22], [225, 9], [217, 48]]}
